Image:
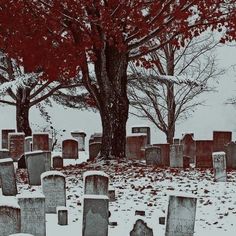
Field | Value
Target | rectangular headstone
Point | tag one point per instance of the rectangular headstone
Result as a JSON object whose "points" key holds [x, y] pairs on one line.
{"points": [[231, 155], [95, 215], [33, 218], [176, 156], [5, 133], [219, 166], [28, 144], [165, 152], [80, 136], [144, 130], [220, 140], [153, 156], [204, 149], [94, 150], [70, 149], [62, 215], [189, 147], [41, 142], [181, 216], [16, 142], [57, 162]]}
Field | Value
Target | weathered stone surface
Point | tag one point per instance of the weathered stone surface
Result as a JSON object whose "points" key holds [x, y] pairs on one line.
{"points": [[112, 194], [189, 147], [54, 189], [144, 130], [204, 149], [41, 142], [4, 153], [231, 155], [28, 143], [57, 162], [181, 216], [94, 150], [96, 137], [219, 166], [153, 156], [5, 133], [8, 177], [9, 218], [141, 229], [80, 136], [70, 149], [95, 215], [165, 153], [176, 156], [62, 215], [16, 143], [220, 140], [96, 182], [33, 219]]}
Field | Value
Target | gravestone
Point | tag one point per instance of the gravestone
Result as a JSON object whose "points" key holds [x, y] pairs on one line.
{"points": [[50, 141], [16, 142], [140, 229], [21, 162], [176, 141], [41, 142], [95, 215], [165, 152], [70, 149], [4, 153], [37, 162], [80, 137], [62, 215], [28, 144], [219, 166], [181, 216], [144, 130], [176, 156], [111, 194], [8, 177], [94, 150], [186, 161], [153, 156], [96, 182], [54, 189], [204, 149], [9, 216], [33, 218], [220, 140], [5, 133], [135, 146], [57, 162], [189, 147], [96, 137], [231, 155]]}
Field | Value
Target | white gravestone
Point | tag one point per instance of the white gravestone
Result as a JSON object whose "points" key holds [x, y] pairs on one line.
{"points": [[153, 156], [54, 189], [28, 144], [80, 136], [219, 166], [176, 156]]}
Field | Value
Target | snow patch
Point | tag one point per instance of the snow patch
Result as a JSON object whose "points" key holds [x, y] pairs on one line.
{"points": [[94, 172], [90, 196], [9, 202], [51, 173], [6, 160]]}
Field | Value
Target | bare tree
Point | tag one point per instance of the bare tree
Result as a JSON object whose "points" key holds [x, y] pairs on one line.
{"points": [[169, 90]]}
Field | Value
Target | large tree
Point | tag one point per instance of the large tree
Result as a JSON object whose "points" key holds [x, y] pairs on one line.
{"points": [[64, 36]]}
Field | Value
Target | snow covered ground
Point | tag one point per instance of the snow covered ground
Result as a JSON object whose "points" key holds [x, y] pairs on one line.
{"points": [[139, 187]]}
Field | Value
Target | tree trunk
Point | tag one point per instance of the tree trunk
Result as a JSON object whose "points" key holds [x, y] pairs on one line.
{"points": [[22, 111]]}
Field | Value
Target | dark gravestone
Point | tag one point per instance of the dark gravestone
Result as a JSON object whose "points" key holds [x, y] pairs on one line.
{"points": [[165, 153], [70, 149], [41, 142], [204, 149], [231, 155], [5, 133], [96, 137], [21, 162], [57, 162], [94, 150], [189, 147], [4, 153], [153, 156], [186, 161], [62, 215], [144, 130], [140, 229], [220, 140], [16, 142]]}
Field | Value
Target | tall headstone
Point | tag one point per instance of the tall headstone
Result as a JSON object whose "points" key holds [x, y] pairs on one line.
{"points": [[96, 182], [204, 149], [5, 133], [54, 189], [220, 140], [144, 130], [9, 216], [16, 143], [94, 150], [41, 142], [8, 177], [70, 149], [95, 215], [176, 156], [28, 144], [33, 219], [140, 229], [189, 147], [37, 162], [181, 216], [165, 152], [153, 156], [80, 136], [231, 155], [135, 146], [4, 153], [219, 166]]}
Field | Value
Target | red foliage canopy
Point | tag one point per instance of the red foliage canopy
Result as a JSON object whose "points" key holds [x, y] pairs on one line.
{"points": [[59, 36]]}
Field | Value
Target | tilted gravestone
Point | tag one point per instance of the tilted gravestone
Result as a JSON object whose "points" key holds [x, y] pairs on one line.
{"points": [[57, 162], [41, 142], [9, 216], [204, 149], [80, 137], [4, 153], [16, 143], [153, 156], [144, 130], [37, 162], [94, 150], [189, 147], [54, 189], [8, 177], [28, 143], [176, 156], [220, 140], [33, 218], [140, 229], [95, 215], [5, 133], [231, 155], [181, 216], [96, 182], [70, 149], [219, 166]]}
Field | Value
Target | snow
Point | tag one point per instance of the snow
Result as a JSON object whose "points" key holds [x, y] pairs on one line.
{"points": [[137, 134], [61, 208], [51, 173], [9, 201], [140, 126], [90, 196], [4, 150], [69, 138], [218, 153], [34, 152], [6, 160], [34, 194], [78, 132], [16, 134], [94, 172], [40, 133]]}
